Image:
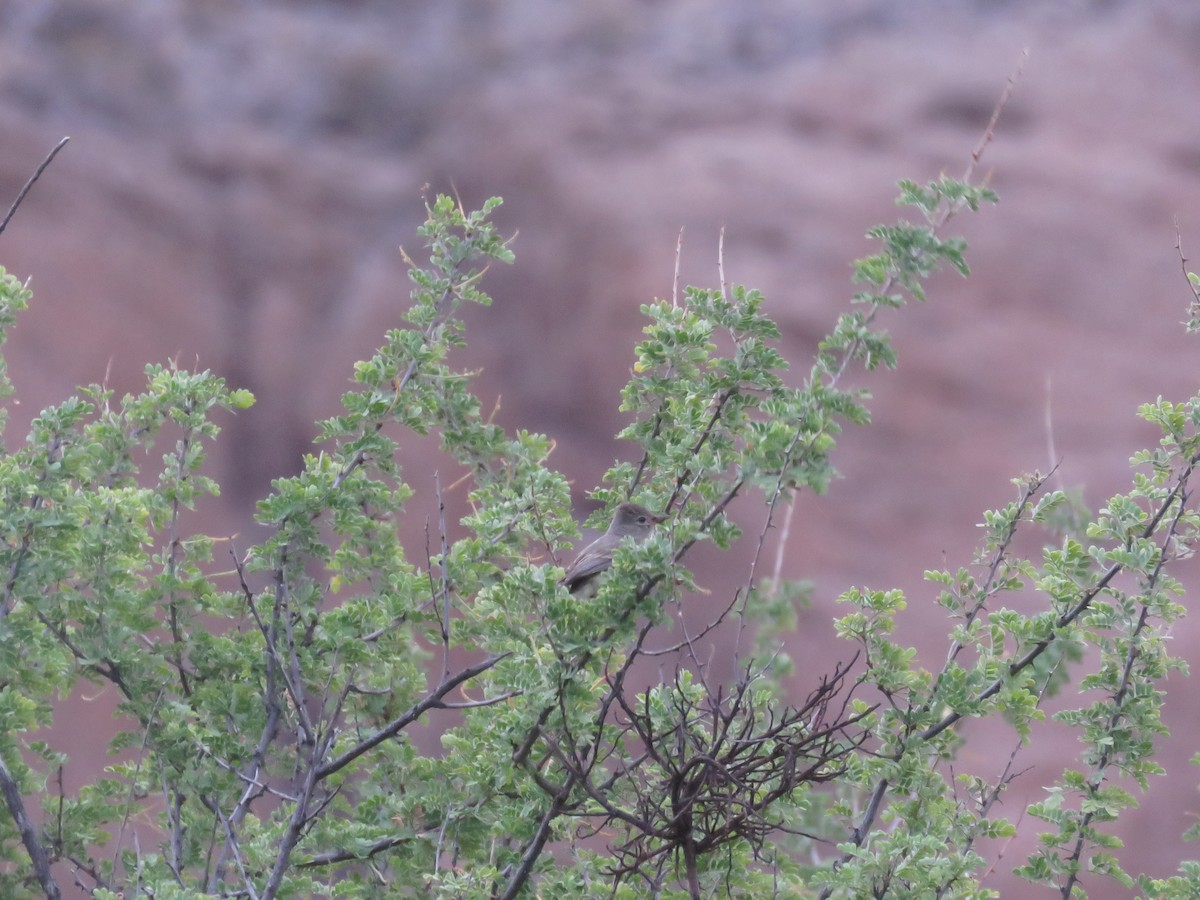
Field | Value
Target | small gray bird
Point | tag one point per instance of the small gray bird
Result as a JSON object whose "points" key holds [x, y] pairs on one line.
{"points": [[629, 521]]}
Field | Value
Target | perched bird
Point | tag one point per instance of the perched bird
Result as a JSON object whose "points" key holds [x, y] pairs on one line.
{"points": [[629, 521]]}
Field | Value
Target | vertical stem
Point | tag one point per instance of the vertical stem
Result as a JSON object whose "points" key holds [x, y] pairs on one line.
{"points": [[29, 836]]}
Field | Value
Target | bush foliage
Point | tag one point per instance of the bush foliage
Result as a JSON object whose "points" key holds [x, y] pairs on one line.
{"points": [[269, 693]]}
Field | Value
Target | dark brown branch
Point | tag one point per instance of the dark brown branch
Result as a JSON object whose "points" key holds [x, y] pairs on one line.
{"points": [[432, 701], [29, 835], [36, 175], [517, 879], [270, 694], [380, 846], [301, 816]]}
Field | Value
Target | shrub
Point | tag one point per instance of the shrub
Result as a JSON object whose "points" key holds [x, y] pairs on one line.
{"points": [[267, 702]]}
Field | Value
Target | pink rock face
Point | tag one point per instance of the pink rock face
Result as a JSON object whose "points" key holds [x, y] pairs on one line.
{"points": [[238, 181]]}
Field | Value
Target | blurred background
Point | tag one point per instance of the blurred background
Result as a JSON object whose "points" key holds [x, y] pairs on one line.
{"points": [[241, 174]]}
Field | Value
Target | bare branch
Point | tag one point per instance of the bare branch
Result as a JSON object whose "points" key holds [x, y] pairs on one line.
{"points": [[432, 701], [721, 265], [36, 175], [518, 876], [990, 131], [232, 845], [675, 280]]}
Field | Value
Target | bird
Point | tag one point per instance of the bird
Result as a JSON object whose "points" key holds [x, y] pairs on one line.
{"points": [[631, 520]]}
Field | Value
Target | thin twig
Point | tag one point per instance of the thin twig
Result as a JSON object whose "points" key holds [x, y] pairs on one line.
{"points": [[25, 190], [445, 588], [231, 843], [721, 265], [129, 798], [1048, 419], [990, 131], [1194, 287], [785, 531], [675, 281]]}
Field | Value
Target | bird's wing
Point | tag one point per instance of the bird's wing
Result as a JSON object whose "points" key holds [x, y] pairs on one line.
{"points": [[590, 562]]}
